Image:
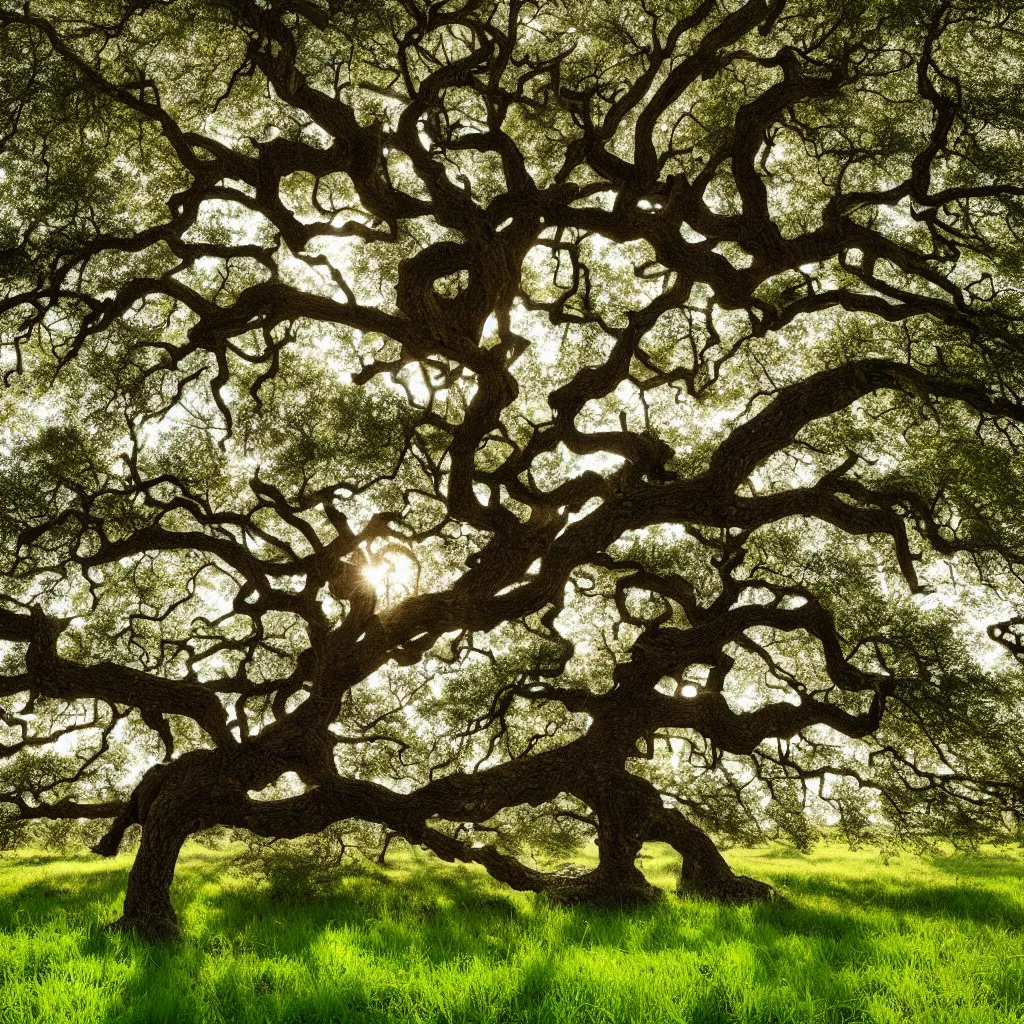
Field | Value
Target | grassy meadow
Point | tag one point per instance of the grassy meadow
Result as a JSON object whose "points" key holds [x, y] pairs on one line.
{"points": [[855, 937]]}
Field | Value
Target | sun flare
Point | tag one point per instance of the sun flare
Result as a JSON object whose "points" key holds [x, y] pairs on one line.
{"points": [[391, 573]]}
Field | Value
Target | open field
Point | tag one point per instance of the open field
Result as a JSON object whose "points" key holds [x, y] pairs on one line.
{"points": [[939, 939]]}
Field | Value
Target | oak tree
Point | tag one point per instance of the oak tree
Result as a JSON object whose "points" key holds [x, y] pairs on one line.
{"points": [[512, 423]]}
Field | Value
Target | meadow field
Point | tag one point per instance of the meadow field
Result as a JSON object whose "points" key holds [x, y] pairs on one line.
{"points": [[855, 936]]}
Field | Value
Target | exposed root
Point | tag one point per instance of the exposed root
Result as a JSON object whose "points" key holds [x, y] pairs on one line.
{"points": [[730, 889], [602, 889]]}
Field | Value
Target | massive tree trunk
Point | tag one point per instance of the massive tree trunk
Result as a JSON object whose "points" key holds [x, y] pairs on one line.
{"points": [[147, 906], [616, 881], [621, 831], [171, 802]]}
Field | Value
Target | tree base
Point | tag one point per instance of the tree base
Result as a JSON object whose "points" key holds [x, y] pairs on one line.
{"points": [[730, 889], [603, 891], [150, 929]]}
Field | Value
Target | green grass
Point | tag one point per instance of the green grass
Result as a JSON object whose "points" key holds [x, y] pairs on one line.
{"points": [[855, 939]]}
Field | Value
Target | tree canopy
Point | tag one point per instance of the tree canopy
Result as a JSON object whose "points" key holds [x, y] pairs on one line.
{"points": [[510, 424]]}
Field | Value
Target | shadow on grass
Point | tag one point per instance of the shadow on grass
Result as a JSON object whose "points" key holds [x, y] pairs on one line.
{"points": [[956, 902], [448, 906], [446, 918], [36, 900], [992, 866]]}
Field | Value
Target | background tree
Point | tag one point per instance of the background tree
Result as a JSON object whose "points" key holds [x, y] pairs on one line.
{"points": [[524, 421]]}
